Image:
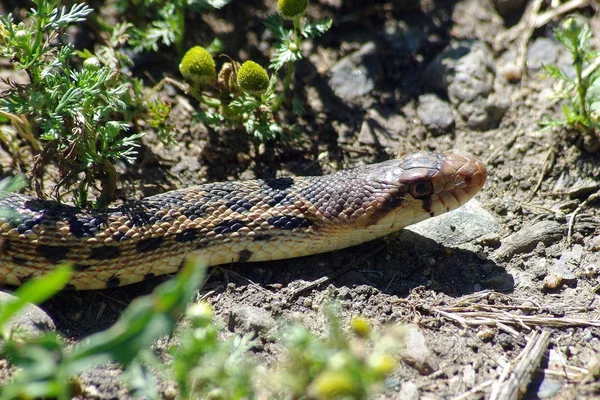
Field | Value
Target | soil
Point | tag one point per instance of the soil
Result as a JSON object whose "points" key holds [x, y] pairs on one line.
{"points": [[535, 176]]}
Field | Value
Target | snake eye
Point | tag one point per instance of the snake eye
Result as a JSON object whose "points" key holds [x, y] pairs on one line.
{"points": [[421, 189]]}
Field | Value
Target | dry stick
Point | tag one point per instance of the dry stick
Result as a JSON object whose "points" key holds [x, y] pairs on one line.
{"points": [[548, 164], [577, 211], [473, 390], [529, 321], [592, 373], [530, 21], [505, 146], [512, 383]]}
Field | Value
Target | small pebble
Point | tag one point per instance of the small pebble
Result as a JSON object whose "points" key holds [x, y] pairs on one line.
{"points": [[552, 281], [485, 334], [511, 72]]}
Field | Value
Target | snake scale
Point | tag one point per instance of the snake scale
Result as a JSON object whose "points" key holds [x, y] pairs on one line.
{"points": [[226, 222]]}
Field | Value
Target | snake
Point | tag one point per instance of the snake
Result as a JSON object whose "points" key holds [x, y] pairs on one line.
{"points": [[229, 222]]}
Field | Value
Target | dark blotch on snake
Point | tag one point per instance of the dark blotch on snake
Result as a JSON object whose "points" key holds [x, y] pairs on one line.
{"points": [[280, 183], [262, 237], [239, 204], [427, 206], [229, 226], [289, 222], [244, 256], [149, 276], [113, 283], [146, 245], [19, 260], [186, 236], [70, 286], [105, 253], [52, 253]]}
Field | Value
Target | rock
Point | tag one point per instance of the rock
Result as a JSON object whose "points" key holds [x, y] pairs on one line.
{"points": [[404, 39], [507, 7], [415, 351], [527, 239], [250, 319], [435, 114], [567, 265], [356, 74], [542, 51], [465, 73], [475, 19], [459, 226], [32, 319], [381, 129], [409, 391], [575, 186]]}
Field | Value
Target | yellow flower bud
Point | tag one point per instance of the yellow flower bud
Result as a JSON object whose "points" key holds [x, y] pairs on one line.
{"points": [[360, 326], [252, 78], [382, 364], [333, 384], [292, 8], [198, 66], [200, 314]]}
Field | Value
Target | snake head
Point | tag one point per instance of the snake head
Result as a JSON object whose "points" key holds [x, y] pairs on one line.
{"points": [[432, 182]]}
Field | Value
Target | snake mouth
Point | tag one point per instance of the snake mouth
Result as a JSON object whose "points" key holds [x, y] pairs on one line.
{"points": [[458, 180]]}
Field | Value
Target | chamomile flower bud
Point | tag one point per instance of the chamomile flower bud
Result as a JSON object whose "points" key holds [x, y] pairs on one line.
{"points": [[334, 384], [382, 364], [360, 326], [252, 78], [200, 314], [92, 64], [572, 26], [198, 66], [292, 8]]}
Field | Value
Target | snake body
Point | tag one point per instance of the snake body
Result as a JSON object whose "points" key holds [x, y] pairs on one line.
{"points": [[226, 222]]}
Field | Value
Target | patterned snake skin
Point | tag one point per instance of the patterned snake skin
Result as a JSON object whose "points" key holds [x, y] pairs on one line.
{"points": [[228, 222]]}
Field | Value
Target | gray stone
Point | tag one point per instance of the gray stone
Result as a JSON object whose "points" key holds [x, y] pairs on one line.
{"points": [[31, 319], [415, 351], [409, 391], [548, 388], [465, 73], [459, 226], [250, 319], [542, 51], [404, 39], [435, 114], [381, 129], [568, 264], [525, 240], [356, 74], [507, 7]]}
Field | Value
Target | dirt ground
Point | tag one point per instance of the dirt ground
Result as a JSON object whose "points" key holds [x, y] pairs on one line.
{"points": [[478, 305]]}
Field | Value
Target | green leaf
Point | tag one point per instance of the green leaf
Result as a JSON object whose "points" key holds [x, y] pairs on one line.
{"points": [[36, 291], [274, 23], [145, 320], [317, 28]]}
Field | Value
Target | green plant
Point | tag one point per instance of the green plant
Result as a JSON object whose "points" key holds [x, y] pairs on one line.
{"points": [[47, 370], [160, 22], [342, 365], [246, 95], [79, 119], [581, 93]]}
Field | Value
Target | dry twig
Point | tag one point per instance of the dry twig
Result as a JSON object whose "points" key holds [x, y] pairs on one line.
{"points": [[514, 379]]}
